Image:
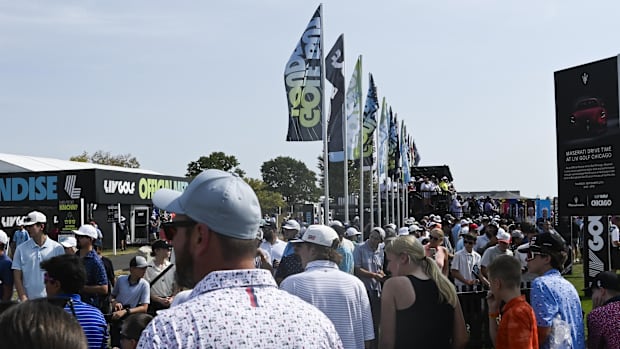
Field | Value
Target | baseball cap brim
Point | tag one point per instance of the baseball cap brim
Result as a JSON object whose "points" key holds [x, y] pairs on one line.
{"points": [[529, 248], [168, 200]]}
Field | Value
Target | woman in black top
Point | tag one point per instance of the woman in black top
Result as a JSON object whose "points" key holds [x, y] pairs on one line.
{"points": [[419, 305]]}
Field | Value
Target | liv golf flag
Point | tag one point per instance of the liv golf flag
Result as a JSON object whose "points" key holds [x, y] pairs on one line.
{"points": [[370, 123], [354, 108], [334, 62], [304, 85]]}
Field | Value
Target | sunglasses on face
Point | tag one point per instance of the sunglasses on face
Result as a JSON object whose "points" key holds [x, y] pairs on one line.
{"points": [[531, 255], [170, 228], [435, 238], [469, 242], [48, 279]]}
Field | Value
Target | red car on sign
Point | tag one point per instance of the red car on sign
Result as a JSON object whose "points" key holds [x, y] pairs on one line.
{"points": [[590, 114]]}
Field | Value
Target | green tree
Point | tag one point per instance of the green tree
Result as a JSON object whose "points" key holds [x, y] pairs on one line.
{"points": [[291, 178], [217, 160], [105, 158], [270, 201]]}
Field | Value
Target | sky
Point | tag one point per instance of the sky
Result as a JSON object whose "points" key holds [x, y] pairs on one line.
{"points": [[170, 82]]}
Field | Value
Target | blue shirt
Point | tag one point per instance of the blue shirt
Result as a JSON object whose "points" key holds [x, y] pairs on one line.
{"points": [[6, 273], [90, 318], [346, 264], [556, 303], [28, 257], [20, 236], [364, 257], [95, 276]]}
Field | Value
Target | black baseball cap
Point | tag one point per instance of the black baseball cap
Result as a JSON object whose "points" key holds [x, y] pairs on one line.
{"points": [[606, 279], [545, 243]]}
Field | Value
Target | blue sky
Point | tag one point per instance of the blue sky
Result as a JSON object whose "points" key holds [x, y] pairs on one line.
{"points": [[169, 82]]}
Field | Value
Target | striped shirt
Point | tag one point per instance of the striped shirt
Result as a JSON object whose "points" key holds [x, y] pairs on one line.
{"points": [[341, 296], [91, 319]]}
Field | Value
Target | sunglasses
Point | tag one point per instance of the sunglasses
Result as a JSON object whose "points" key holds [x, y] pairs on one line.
{"points": [[531, 255], [435, 238], [170, 228], [469, 242], [48, 279]]}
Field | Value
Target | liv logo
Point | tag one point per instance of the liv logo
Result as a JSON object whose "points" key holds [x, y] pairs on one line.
{"points": [[70, 188]]}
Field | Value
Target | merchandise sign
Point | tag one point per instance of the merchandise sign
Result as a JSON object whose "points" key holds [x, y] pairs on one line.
{"points": [[112, 213], [596, 247], [588, 137]]}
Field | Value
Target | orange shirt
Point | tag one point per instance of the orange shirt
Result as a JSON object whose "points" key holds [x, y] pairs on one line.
{"points": [[517, 329]]}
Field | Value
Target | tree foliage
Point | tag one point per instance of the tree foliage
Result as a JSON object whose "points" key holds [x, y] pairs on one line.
{"points": [[217, 160], [336, 177], [105, 158], [291, 178], [269, 200]]}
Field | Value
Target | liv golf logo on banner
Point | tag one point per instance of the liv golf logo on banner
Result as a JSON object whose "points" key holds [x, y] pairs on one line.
{"points": [[596, 249], [588, 137]]}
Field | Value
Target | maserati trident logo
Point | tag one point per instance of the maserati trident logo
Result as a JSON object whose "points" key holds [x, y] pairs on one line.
{"points": [[584, 78], [70, 187]]}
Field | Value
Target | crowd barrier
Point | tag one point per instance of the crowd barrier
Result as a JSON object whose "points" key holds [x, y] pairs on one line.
{"points": [[476, 313]]}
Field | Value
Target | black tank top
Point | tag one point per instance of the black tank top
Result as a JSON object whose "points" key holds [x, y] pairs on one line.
{"points": [[427, 323]]}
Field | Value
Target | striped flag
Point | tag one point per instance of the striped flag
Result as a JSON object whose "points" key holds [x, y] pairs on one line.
{"points": [[382, 147], [304, 85]]}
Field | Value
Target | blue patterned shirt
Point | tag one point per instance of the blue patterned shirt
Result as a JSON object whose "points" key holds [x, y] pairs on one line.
{"points": [[556, 304], [95, 276], [240, 309]]}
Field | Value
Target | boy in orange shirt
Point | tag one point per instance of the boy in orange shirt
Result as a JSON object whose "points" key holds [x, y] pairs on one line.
{"points": [[516, 326]]}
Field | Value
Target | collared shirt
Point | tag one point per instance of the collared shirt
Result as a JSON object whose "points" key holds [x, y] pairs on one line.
{"points": [[131, 294], [464, 262], [28, 257], [604, 325], [517, 329], [341, 296], [275, 250], [556, 304], [240, 309], [90, 318], [95, 276], [372, 260]]}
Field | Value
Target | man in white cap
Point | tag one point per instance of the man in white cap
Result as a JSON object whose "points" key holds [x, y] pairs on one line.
{"points": [[27, 272], [96, 287], [272, 245], [341, 296], [352, 235], [6, 274], [232, 304], [502, 248], [69, 243]]}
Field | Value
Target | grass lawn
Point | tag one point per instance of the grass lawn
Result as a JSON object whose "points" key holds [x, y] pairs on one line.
{"points": [[577, 280]]}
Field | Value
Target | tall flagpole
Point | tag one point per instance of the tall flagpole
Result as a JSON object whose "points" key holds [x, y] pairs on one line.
{"points": [[324, 120], [344, 143], [398, 202], [371, 190], [387, 196], [361, 154], [379, 172]]}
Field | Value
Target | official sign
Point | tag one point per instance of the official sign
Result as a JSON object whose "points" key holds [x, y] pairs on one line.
{"points": [[112, 213]]}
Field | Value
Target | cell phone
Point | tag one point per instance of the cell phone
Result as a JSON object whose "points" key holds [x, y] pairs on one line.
{"points": [[433, 251]]}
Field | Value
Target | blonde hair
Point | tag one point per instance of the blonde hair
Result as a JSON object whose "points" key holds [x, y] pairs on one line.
{"points": [[410, 246], [438, 231]]}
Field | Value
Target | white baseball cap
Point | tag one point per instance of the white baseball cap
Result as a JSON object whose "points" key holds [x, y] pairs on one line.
{"points": [[4, 239], [86, 230], [403, 231], [351, 231], [320, 235], [292, 224], [35, 217], [68, 241]]}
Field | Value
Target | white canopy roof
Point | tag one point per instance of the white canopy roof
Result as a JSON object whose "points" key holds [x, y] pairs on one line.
{"points": [[24, 163]]}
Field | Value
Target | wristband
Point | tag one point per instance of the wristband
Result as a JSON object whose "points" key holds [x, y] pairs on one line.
{"points": [[127, 313], [493, 315]]}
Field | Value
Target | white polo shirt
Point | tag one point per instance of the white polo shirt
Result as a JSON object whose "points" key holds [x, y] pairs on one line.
{"points": [[339, 295]]}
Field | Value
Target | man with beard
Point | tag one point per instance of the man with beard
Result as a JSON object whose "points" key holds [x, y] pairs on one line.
{"points": [[232, 304]]}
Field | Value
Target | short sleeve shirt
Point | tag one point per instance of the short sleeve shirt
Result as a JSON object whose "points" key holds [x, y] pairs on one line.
{"points": [[133, 295], [6, 274], [95, 275], [28, 257], [491, 253], [604, 325], [464, 262], [240, 308], [517, 329], [556, 303], [364, 257]]}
